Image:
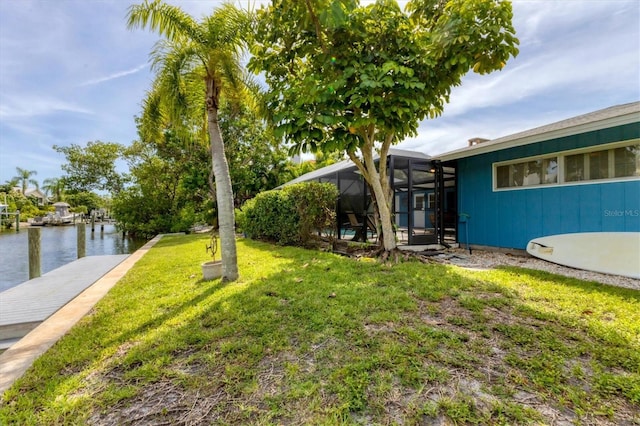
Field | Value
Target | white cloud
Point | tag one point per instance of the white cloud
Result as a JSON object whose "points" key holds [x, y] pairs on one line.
{"points": [[115, 75], [30, 106], [564, 46], [576, 57]]}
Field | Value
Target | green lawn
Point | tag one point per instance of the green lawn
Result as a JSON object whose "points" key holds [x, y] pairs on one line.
{"points": [[309, 337]]}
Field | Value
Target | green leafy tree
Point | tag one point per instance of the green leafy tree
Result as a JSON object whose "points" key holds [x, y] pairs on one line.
{"points": [[170, 176], [89, 200], [24, 178], [9, 185], [16, 200], [258, 162], [192, 53], [169, 186], [93, 167], [321, 160], [54, 187], [358, 79]]}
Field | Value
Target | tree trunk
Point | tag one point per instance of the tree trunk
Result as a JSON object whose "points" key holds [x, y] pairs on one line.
{"points": [[224, 190], [384, 207], [380, 187]]}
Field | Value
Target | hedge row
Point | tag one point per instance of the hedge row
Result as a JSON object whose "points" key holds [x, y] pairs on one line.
{"points": [[290, 215]]}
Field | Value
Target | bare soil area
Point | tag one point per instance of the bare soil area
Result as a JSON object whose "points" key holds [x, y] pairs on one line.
{"points": [[481, 259]]}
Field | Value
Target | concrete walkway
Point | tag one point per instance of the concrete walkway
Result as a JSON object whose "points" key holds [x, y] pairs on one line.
{"points": [[20, 356]]}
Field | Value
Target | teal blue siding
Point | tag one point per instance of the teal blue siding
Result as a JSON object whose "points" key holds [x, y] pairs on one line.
{"points": [[512, 218]]}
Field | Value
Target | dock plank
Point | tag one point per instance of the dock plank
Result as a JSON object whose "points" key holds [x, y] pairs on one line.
{"points": [[37, 299]]}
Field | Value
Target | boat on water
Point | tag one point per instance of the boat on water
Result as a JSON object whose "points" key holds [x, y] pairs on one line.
{"points": [[62, 216]]}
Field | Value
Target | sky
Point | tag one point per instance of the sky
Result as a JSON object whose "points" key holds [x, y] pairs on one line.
{"points": [[71, 72]]}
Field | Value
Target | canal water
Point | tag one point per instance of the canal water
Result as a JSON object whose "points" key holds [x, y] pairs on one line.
{"points": [[58, 246]]}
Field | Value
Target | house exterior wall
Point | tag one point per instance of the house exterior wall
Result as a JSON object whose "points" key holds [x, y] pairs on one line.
{"points": [[511, 218]]}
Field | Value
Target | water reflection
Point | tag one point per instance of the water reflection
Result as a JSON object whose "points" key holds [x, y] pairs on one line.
{"points": [[58, 247]]}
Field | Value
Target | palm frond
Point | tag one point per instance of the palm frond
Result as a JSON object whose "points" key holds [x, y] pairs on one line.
{"points": [[255, 98], [228, 26], [167, 20], [190, 53], [153, 120]]}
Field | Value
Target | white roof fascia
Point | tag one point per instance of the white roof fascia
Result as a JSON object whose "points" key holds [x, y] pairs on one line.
{"points": [[331, 168], [345, 164], [598, 120]]}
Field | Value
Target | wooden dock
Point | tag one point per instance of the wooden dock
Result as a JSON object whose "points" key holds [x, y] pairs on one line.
{"points": [[19, 357], [25, 306]]}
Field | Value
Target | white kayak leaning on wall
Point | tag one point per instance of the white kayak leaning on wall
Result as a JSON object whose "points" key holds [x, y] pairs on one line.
{"points": [[615, 253]]}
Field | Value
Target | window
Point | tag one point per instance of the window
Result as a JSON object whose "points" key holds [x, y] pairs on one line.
{"points": [[574, 170], [627, 161], [598, 165], [527, 173], [619, 160]]}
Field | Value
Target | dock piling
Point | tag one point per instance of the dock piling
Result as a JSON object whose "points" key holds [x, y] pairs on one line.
{"points": [[34, 253], [81, 235], [17, 220]]}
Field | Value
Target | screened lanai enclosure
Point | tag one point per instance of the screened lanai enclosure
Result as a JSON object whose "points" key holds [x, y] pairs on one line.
{"points": [[424, 199]]}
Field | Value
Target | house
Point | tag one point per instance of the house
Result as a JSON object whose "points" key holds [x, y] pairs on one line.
{"points": [[575, 175], [40, 196]]}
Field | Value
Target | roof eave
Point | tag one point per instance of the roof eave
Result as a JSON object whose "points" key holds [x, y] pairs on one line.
{"points": [[346, 164], [512, 142]]}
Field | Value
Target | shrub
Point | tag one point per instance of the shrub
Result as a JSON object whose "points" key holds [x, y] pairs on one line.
{"points": [[239, 215], [315, 204], [290, 215], [270, 216], [79, 209]]}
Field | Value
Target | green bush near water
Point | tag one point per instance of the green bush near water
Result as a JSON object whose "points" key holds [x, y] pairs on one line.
{"points": [[291, 215]]}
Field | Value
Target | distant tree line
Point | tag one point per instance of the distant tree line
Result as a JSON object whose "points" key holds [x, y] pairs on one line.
{"points": [[168, 183]]}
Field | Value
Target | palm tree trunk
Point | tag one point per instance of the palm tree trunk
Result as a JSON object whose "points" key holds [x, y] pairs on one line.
{"points": [[224, 190]]}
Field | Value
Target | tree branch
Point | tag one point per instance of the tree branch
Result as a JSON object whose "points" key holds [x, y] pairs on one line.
{"points": [[353, 157], [384, 151], [316, 24]]}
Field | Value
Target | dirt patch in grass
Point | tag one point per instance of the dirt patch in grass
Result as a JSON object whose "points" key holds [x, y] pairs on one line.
{"points": [[164, 403], [488, 380]]}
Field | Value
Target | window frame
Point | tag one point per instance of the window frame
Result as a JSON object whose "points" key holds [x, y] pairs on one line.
{"points": [[560, 158], [431, 201]]}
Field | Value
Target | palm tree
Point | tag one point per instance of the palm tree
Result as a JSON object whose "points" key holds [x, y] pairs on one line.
{"points": [[54, 186], [192, 53], [24, 178]]}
